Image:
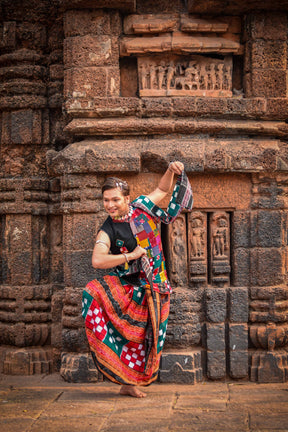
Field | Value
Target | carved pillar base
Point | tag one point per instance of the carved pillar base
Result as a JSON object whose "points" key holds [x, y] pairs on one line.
{"points": [[181, 367], [79, 368], [268, 367], [27, 361]]}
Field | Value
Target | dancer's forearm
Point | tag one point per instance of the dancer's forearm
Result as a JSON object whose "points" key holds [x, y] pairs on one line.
{"points": [[166, 182]]}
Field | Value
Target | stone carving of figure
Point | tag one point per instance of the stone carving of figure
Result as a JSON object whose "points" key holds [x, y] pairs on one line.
{"points": [[178, 246], [220, 76], [197, 240], [227, 78], [161, 74], [178, 242], [192, 76], [152, 75], [220, 238], [216, 76], [142, 76], [170, 74], [203, 77], [145, 76], [213, 76], [186, 75], [209, 77]]}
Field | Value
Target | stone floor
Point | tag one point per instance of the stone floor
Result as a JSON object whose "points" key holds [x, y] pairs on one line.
{"points": [[48, 404]]}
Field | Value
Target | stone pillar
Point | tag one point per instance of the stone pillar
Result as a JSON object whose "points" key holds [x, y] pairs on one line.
{"points": [[55, 71], [238, 296], [216, 312], [30, 295], [26, 292], [91, 58], [265, 57], [238, 332], [269, 292], [91, 74], [81, 203]]}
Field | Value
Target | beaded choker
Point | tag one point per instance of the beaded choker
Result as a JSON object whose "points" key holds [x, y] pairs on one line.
{"points": [[124, 218]]}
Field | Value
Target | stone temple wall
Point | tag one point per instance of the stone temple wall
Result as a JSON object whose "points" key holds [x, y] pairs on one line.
{"points": [[89, 88]]}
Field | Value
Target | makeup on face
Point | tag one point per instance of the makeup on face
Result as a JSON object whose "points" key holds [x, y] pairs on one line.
{"points": [[115, 203]]}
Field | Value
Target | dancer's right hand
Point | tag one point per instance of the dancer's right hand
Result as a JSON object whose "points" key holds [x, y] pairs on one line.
{"points": [[138, 252]]}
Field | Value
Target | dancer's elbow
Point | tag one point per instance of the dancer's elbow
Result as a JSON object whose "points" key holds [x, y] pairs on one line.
{"points": [[98, 262]]}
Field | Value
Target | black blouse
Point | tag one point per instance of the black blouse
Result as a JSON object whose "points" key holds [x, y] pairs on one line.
{"points": [[120, 235]]}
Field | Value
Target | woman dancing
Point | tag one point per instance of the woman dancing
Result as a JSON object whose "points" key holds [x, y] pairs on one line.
{"points": [[126, 311]]}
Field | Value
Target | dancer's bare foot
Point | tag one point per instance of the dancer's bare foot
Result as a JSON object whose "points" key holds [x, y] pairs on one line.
{"points": [[130, 390]]}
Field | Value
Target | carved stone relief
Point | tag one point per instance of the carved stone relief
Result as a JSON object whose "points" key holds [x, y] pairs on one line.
{"points": [[208, 256], [268, 306], [220, 248], [177, 254], [185, 76], [177, 54], [197, 234]]}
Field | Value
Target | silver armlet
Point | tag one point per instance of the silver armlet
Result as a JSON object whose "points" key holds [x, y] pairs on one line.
{"points": [[102, 242]]}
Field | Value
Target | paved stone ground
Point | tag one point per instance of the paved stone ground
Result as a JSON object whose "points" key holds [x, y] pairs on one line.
{"points": [[48, 404]]}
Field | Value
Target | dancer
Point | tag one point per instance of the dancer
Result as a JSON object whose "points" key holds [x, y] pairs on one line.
{"points": [[126, 311]]}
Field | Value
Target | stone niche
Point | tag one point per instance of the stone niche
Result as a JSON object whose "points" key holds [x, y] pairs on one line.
{"points": [[182, 55]]}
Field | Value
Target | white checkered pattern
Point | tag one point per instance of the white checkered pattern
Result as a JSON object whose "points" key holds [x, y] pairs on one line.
{"points": [[133, 355], [97, 321], [162, 336]]}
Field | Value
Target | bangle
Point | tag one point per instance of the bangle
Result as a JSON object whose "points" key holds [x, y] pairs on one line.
{"points": [[125, 255]]}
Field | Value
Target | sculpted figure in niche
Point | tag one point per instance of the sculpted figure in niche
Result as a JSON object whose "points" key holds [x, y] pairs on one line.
{"points": [[192, 76], [227, 78], [213, 76], [219, 75], [152, 76], [177, 240], [178, 244], [143, 76], [170, 74], [161, 74], [209, 78], [220, 235], [198, 236], [216, 77], [204, 77]]}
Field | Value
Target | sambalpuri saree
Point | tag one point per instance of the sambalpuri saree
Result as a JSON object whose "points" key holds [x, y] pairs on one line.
{"points": [[126, 311]]}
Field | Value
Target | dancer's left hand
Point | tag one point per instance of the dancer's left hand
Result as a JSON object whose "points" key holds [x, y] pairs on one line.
{"points": [[176, 167]]}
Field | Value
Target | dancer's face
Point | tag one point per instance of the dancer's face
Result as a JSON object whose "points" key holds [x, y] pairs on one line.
{"points": [[115, 203]]}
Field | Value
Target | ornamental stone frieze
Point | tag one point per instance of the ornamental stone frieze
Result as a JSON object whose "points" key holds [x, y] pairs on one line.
{"points": [[195, 76], [176, 75]]}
